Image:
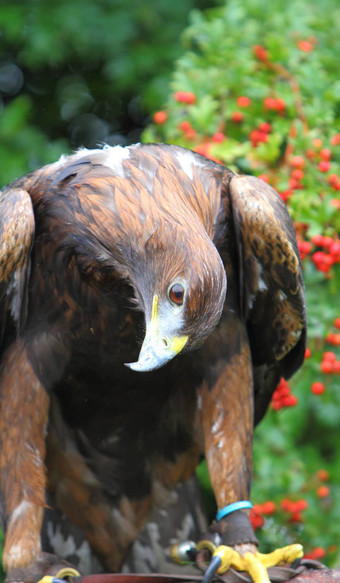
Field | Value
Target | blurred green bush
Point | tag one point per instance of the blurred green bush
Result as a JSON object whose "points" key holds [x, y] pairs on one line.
{"points": [[258, 89], [81, 73]]}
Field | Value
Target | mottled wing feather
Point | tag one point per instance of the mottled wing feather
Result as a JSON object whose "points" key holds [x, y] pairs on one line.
{"points": [[270, 278], [16, 237]]}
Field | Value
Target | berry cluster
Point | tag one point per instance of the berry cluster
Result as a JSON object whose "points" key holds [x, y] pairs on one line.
{"points": [[187, 97], [323, 250], [260, 134], [259, 511], [282, 397], [316, 554], [294, 509], [275, 104], [334, 337], [330, 364], [275, 130]]}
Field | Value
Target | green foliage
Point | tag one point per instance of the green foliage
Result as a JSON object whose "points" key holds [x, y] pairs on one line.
{"points": [[22, 145], [81, 73], [257, 88]]}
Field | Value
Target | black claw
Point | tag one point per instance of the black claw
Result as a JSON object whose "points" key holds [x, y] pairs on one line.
{"points": [[209, 574]]}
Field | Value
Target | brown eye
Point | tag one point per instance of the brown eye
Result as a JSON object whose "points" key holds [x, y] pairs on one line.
{"points": [[176, 294]]}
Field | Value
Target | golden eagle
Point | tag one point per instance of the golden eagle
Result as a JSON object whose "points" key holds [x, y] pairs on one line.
{"points": [[114, 261]]}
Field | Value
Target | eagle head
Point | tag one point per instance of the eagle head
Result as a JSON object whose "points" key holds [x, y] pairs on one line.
{"points": [[181, 285]]}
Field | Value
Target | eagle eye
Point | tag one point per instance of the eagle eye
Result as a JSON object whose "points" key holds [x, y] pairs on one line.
{"points": [[176, 294]]}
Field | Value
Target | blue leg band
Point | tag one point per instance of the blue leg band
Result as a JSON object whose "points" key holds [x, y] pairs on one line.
{"points": [[241, 505]]}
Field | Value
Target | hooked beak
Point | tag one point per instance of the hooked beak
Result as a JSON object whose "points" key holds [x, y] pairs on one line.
{"points": [[159, 344]]}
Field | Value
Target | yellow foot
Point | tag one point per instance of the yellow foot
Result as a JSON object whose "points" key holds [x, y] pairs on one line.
{"points": [[256, 564], [67, 573]]}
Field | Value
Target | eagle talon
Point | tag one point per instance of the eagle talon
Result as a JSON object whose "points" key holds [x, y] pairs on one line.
{"points": [[255, 564], [62, 576]]}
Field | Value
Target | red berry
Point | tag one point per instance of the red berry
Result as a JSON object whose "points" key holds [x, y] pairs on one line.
{"points": [[317, 143], [318, 388], [315, 554], [257, 509], [324, 166], [327, 242], [319, 552], [270, 103], [335, 140], [237, 116], [280, 105], [310, 154], [323, 492], [323, 262], [265, 127], [333, 339], [318, 257], [286, 194], [323, 475], [335, 201], [301, 505], [277, 104], [256, 520], [305, 247], [185, 126], [336, 366], [308, 353], [329, 356], [243, 101], [160, 117], [289, 401], [268, 507], [334, 248], [293, 183], [218, 137], [282, 392], [317, 240], [185, 97], [260, 53], [333, 179], [337, 323], [298, 174], [295, 517], [257, 137], [305, 46], [190, 134], [297, 162], [325, 154], [326, 367], [287, 505]]}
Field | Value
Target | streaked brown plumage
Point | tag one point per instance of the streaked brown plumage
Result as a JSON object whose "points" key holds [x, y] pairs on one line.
{"points": [[90, 248]]}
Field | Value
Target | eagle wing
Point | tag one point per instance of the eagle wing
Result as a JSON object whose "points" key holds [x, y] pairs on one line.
{"points": [[270, 282], [16, 238]]}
